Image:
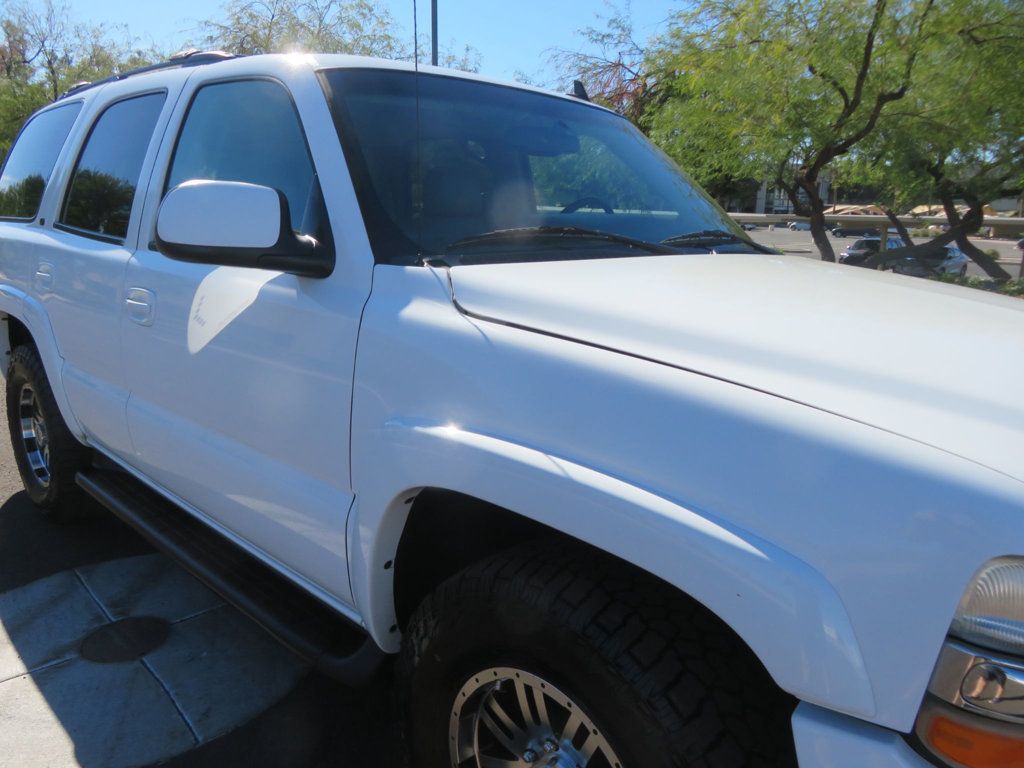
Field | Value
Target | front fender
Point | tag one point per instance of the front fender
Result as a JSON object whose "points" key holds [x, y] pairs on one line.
{"points": [[785, 610]]}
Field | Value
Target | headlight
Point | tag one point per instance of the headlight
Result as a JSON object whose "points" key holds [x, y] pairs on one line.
{"points": [[991, 613]]}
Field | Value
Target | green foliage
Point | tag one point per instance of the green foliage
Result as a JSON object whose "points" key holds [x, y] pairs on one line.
{"points": [[21, 200], [100, 202], [756, 87], [594, 171], [959, 129], [43, 53], [615, 75], [1013, 288], [327, 26], [356, 27]]}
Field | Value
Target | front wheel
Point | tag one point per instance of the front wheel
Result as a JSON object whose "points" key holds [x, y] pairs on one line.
{"points": [[554, 656], [47, 454]]}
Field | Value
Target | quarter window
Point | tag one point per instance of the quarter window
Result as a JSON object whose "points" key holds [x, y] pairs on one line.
{"points": [[31, 161], [248, 130], [102, 189]]}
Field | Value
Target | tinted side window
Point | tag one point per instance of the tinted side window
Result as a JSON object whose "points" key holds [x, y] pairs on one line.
{"points": [[249, 131], [31, 161], [103, 185]]}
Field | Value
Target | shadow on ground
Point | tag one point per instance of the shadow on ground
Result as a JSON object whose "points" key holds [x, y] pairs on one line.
{"points": [[318, 723], [31, 546]]}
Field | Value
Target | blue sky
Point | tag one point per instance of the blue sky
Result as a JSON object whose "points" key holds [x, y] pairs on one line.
{"points": [[509, 35]]}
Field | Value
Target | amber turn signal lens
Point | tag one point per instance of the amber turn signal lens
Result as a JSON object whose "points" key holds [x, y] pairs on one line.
{"points": [[973, 747]]}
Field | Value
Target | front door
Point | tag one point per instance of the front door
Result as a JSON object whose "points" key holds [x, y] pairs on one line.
{"points": [[241, 379], [83, 256]]}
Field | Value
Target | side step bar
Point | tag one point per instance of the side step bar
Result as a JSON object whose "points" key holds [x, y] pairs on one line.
{"points": [[329, 641]]}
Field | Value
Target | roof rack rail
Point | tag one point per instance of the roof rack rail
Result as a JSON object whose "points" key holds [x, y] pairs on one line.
{"points": [[191, 57]]}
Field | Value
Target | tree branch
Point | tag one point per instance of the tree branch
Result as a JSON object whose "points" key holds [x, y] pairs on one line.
{"points": [[833, 82]]}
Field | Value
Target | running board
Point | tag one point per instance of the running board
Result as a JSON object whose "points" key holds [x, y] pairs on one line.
{"points": [[319, 634]]}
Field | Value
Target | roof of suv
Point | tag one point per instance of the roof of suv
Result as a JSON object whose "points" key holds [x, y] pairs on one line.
{"points": [[313, 61]]}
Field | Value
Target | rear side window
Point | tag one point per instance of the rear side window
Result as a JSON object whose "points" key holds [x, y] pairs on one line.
{"points": [[99, 199], [31, 161], [248, 130]]}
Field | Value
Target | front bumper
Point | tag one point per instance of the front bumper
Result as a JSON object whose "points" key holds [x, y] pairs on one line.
{"points": [[826, 739]]}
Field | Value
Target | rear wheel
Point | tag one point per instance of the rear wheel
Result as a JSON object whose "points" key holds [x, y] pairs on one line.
{"points": [[554, 656], [47, 454]]}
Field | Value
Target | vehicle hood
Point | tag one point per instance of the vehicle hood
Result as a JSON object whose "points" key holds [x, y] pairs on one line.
{"points": [[937, 363]]}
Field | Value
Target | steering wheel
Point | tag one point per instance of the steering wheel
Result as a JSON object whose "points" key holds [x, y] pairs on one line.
{"points": [[588, 202]]}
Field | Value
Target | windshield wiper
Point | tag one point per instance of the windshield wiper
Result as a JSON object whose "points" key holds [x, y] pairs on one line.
{"points": [[526, 233], [705, 237]]}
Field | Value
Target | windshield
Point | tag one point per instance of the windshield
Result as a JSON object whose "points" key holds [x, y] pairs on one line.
{"points": [[571, 180]]}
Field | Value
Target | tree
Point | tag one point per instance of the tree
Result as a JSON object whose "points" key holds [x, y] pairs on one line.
{"points": [[43, 52], [780, 89], [616, 73], [357, 27], [328, 26], [958, 136]]}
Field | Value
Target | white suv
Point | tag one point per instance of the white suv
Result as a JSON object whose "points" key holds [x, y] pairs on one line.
{"points": [[411, 362]]}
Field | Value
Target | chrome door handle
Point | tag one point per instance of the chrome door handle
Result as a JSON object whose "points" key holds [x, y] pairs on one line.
{"points": [[44, 276], [140, 303]]}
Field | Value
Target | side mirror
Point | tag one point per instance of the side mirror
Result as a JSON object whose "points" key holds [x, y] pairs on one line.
{"points": [[235, 224]]}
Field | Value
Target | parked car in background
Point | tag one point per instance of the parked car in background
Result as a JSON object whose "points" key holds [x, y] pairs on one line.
{"points": [[853, 231], [748, 225], [952, 261], [861, 249], [799, 226]]}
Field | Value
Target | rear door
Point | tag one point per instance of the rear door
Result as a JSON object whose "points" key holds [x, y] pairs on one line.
{"points": [[81, 256], [241, 379]]}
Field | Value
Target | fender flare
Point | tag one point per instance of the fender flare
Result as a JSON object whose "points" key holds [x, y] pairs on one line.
{"points": [[30, 313], [786, 611]]}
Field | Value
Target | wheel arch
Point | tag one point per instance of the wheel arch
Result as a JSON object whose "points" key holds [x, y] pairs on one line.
{"points": [[26, 322], [781, 608]]}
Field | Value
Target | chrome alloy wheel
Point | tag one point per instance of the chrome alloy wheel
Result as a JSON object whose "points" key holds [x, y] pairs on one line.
{"points": [[34, 434], [508, 718]]}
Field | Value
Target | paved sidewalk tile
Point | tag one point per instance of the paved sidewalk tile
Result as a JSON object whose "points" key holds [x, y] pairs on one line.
{"points": [[148, 585], [92, 715], [43, 622], [222, 670]]}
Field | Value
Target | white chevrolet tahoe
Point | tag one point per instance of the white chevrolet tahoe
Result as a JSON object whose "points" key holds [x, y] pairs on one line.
{"points": [[411, 362]]}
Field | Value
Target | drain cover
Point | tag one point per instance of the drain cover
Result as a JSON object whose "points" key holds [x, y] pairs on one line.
{"points": [[125, 640]]}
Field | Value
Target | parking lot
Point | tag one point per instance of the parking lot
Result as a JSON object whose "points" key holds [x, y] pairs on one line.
{"points": [[800, 243], [217, 692]]}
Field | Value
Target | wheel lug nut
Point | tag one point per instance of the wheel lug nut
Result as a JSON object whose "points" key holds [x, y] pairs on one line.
{"points": [[530, 756]]}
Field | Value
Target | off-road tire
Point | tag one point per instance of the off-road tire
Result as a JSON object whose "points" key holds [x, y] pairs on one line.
{"points": [[668, 684], [60, 498]]}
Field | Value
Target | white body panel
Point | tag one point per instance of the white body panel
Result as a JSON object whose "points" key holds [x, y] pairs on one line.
{"points": [[637, 457], [827, 740], [872, 347]]}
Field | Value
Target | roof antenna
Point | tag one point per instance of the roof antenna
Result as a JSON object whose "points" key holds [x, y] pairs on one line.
{"points": [[433, 32], [415, 38], [579, 90], [418, 181]]}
